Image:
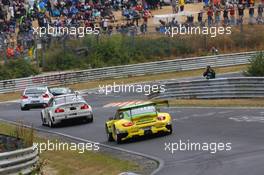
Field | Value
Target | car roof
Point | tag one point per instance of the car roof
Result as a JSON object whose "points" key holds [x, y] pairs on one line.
{"points": [[58, 87], [35, 87]]}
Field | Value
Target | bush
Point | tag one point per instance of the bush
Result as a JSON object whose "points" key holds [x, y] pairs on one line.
{"points": [[17, 69], [256, 67]]}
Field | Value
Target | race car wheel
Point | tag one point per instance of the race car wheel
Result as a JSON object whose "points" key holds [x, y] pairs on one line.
{"points": [[24, 108], [50, 123], [169, 127], [109, 135], [43, 120], [91, 119], [118, 138]]}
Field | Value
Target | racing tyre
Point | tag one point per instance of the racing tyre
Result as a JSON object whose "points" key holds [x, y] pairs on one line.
{"points": [[109, 135], [169, 127], [90, 120], [24, 108], [50, 123], [118, 138], [43, 120]]}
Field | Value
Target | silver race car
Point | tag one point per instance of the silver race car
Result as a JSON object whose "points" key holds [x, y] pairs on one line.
{"points": [[64, 107], [35, 97]]}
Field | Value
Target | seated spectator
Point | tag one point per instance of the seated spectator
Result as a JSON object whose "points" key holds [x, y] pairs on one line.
{"points": [[209, 73]]}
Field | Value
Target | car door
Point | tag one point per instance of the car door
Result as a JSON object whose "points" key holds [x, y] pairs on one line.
{"points": [[112, 121], [49, 107]]}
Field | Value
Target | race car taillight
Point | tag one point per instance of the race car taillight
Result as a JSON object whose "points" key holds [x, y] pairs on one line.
{"points": [[24, 97], [85, 106], [161, 118], [45, 96], [128, 124], [59, 110]]}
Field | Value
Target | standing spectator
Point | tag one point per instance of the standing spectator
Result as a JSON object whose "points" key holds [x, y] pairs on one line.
{"points": [[260, 13], [200, 17], [240, 13], [181, 3], [217, 15], [144, 28], [5, 8], [251, 14], [232, 15], [174, 4], [225, 16], [210, 16]]}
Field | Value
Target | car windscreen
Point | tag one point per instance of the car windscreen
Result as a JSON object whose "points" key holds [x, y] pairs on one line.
{"points": [[60, 90], [68, 99], [37, 90], [139, 111]]}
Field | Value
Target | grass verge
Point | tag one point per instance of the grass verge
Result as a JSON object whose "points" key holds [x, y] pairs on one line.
{"points": [[127, 80], [71, 162], [218, 103]]}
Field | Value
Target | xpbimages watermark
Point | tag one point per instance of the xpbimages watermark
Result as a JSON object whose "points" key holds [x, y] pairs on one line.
{"points": [[212, 147], [65, 146], [60, 31], [131, 88], [211, 31]]}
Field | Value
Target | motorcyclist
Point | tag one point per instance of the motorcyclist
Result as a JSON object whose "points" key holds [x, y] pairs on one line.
{"points": [[209, 73]]}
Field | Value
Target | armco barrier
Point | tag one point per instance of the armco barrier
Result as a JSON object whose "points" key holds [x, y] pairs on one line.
{"points": [[239, 87], [20, 161], [126, 70]]}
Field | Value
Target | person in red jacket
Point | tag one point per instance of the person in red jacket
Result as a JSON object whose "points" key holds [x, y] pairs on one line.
{"points": [[210, 16], [232, 15]]}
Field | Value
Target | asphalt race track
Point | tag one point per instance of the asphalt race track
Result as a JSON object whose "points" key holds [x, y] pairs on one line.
{"points": [[242, 127]]}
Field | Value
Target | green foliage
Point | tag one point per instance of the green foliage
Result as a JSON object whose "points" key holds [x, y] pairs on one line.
{"points": [[17, 69], [256, 67], [114, 50]]}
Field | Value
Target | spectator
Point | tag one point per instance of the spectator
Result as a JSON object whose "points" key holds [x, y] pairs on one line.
{"points": [[200, 17], [251, 14], [214, 51], [217, 15], [225, 16], [260, 13], [210, 16], [174, 4], [181, 3], [240, 13], [144, 28], [209, 73], [232, 15]]}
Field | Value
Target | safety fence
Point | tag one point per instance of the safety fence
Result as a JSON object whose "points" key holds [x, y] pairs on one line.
{"points": [[239, 87], [22, 161], [175, 65]]}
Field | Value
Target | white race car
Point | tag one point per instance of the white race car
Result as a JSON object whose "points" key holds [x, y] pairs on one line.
{"points": [[65, 107], [35, 97]]}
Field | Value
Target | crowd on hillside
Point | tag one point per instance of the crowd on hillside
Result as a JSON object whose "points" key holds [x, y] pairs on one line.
{"points": [[217, 13], [17, 17]]}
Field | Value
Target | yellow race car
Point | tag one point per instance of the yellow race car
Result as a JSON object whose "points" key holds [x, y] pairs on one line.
{"points": [[138, 120]]}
